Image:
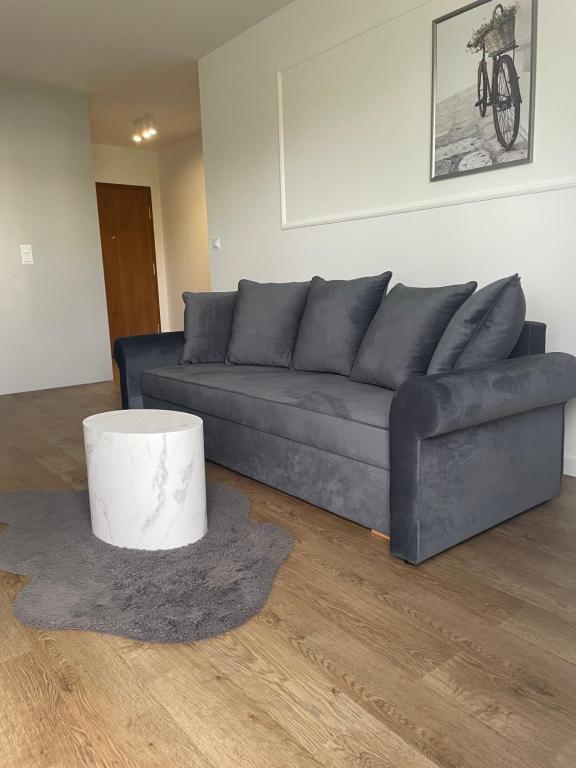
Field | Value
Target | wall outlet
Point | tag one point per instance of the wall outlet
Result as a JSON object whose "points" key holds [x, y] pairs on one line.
{"points": [[26, 254]]}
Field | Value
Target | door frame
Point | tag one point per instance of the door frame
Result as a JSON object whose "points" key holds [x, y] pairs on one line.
{"points": [[153, 239]]}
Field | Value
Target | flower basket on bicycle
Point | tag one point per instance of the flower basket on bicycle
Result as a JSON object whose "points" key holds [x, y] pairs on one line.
{"points": [[498, 35], [502, 36]]}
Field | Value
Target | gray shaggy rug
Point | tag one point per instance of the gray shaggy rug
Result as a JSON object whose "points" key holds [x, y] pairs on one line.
{"points": [[174, 596]]}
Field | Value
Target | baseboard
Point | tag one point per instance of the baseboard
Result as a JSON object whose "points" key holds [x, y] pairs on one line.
{"points": [[570, 465]]}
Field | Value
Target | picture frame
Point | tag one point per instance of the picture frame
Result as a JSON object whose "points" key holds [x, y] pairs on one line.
{"points": [[483, 104]]}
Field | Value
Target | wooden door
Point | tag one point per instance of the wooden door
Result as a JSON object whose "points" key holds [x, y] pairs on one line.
{"points": [[127, 235]]}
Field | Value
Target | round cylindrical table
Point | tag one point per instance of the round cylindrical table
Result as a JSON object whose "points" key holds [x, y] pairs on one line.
{"points": [[146, 478]]}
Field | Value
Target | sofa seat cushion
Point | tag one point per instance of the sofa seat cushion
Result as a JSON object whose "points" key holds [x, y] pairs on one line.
{"points": [[323, 410]]}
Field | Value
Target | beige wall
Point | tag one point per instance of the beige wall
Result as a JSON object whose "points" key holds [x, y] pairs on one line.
{"points": [[176, 178], [185, 226], [450, 238], [53, 321], [119, 165]]}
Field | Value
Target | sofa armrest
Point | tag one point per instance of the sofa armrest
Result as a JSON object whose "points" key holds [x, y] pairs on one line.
{"points": [[134, 354], [471, 448], [429, 406]]}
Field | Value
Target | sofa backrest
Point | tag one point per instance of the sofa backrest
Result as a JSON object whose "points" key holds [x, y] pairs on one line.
{"points": [[532, 340]]}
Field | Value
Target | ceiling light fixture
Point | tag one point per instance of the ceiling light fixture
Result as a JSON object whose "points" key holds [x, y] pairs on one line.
{"points": [[144, 128]]}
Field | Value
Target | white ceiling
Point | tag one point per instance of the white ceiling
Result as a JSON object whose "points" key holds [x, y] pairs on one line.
{"points": [[129, 56]]}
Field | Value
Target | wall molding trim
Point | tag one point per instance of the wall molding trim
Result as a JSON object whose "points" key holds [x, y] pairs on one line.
{"points": [[570, 465], [497, 193], [555, 185]]}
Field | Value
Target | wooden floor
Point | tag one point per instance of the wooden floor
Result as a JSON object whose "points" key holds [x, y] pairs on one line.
{"points": [[468, 661]]}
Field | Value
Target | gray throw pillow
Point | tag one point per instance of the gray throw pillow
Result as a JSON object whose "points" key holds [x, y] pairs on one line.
{"points": [[207, 326], [403, 335], [484, 330], [266, 323], [336, 317]]}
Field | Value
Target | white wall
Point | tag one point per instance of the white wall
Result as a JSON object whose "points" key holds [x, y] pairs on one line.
{"points": [[120, 165], [53, 322], [535, 233], [185, 224]]}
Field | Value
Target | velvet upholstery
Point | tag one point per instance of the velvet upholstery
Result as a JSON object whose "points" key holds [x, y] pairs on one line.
{"points": [[207, 326], [351, 489], [446, 489], [337, 315], [135, 353], [266, 322], [322, 410], [484, 330], [403, 335], [436, 405], [532, 340], [470, 448]]}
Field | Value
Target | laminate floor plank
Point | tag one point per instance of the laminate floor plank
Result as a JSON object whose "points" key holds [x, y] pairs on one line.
{"points": [[237, 722], [510, 708], [414, 711], [304, 701], [458, 630], [549, 633], [111, 703]]}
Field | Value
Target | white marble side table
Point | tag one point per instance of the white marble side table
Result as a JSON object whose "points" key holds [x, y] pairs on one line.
{"points": [[146, 478]]}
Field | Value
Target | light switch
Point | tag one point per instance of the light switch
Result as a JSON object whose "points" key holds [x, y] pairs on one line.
{"points": [[26, 254], [216, 244]]}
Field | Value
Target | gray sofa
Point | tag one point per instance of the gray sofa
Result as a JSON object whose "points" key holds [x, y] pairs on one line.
{"points": [[432, 462]]}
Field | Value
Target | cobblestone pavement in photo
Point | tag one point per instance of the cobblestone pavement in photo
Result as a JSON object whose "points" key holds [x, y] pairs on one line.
{"points": [[465, 141]]}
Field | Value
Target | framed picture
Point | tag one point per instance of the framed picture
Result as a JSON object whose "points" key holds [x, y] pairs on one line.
{"points": [[483, 87]]}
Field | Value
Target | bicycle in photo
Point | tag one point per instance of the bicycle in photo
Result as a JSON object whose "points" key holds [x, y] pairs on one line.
{"points": [[502, 91]]}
